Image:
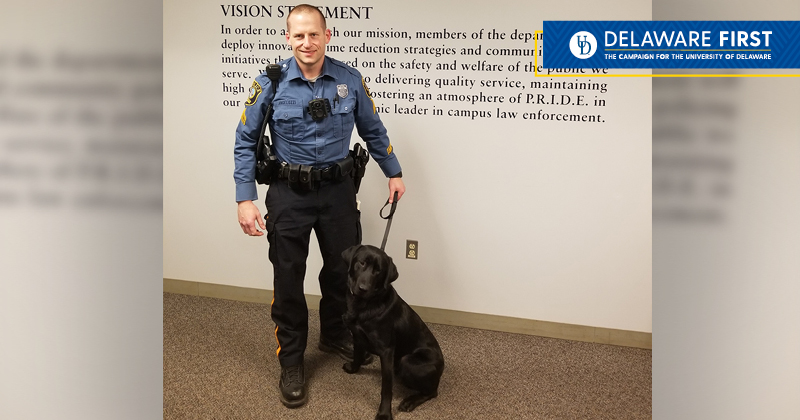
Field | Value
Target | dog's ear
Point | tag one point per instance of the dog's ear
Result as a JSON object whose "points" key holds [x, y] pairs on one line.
{"points": [[349, 252], [391, 271]]}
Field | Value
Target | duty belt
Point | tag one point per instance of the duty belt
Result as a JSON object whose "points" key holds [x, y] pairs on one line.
{"points": [[306, 173], [307, 178]]}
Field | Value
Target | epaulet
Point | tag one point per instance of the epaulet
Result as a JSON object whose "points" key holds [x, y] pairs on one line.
{"points": [[283, 65], [263, 75], [344, 66]]}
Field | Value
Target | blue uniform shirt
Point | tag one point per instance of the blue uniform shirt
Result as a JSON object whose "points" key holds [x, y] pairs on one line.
{"points": [[296, 137]]}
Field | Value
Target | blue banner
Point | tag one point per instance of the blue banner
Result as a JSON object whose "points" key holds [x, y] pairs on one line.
{"points": [[671, 44]]}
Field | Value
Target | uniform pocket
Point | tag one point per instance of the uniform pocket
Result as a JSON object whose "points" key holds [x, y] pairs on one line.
{"points": [[269, 220], [288, 122], [273, 251], [343, 117]]}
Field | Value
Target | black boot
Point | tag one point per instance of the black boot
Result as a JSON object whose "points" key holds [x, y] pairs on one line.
{"points": [[293, 386]]}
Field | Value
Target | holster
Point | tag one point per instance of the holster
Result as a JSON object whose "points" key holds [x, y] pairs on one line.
{"points": [[266, 165], [360, 159]]}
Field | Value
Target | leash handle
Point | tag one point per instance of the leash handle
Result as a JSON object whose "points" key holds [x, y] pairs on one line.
{"points": [[391, 210], [389, 218]]}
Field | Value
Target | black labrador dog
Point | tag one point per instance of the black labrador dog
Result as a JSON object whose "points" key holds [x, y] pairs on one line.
{"points": [[383, 324]]}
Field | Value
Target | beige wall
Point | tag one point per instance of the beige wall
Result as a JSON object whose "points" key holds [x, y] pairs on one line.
{"points": [[527, 219]]}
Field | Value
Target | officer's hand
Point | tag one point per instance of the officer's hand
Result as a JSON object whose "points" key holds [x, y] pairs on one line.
{"points": [[396, 184], [248, 217]]}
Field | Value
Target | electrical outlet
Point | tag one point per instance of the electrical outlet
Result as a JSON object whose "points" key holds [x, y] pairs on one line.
{"points": [[412, 249]]}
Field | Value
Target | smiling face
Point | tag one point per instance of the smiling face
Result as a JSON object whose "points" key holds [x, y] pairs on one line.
{"points": [[307, 35]]}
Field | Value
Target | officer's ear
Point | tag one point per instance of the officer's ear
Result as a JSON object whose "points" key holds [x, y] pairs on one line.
{"points": [[349, 253]]}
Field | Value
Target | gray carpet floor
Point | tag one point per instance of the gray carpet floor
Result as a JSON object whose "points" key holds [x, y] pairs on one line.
{"points": [[220, 363]]}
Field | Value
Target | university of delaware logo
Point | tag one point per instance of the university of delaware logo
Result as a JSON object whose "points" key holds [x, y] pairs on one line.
{"points": [[583, 45]]}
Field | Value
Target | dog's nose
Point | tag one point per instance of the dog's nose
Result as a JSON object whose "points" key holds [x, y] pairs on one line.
{"points": [[363, 288]]}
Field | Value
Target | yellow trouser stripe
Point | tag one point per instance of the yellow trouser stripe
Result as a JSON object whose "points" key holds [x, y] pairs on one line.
{"points": [[277, 352]]}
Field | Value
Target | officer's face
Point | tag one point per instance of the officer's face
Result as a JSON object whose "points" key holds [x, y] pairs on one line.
{"points": [[307, 38]]}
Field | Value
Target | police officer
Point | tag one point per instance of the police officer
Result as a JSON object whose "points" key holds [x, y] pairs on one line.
{"points": [[326, 205]]}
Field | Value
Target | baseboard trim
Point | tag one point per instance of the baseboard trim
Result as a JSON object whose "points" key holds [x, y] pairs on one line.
{"points": [[439, 316]]}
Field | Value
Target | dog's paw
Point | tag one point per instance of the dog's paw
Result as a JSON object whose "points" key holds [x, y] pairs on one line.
{"points": [[414, 401], [380, 416], [406, 406], [350, 367]]}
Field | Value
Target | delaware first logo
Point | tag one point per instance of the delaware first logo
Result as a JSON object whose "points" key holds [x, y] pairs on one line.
{"points": [[583, 45]]}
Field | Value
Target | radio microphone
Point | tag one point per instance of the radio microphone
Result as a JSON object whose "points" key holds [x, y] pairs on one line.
{"points": [[274, 73]]}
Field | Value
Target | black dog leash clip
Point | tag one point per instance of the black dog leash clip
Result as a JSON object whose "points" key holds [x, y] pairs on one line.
{"points": [[389, 218]]}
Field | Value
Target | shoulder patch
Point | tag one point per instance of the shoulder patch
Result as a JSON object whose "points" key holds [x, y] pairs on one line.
{"points": [[255, 90], [369, 95]]}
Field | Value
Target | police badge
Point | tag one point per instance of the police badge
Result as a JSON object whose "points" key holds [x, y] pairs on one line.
{"points": [[342, 91]]}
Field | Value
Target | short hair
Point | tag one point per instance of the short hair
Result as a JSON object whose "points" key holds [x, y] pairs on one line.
{"points": [[306, 8]]}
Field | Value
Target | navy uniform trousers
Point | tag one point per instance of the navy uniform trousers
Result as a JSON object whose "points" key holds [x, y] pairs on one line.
{"points": [[332, 214]]}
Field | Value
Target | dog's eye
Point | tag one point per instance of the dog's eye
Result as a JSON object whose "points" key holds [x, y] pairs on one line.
{"points": [[359, 264]]}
